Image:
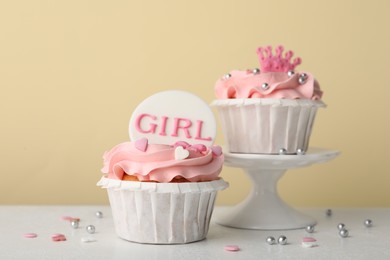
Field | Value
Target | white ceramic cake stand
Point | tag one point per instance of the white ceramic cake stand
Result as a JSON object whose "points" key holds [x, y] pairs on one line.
{"points": [[263, 208]]}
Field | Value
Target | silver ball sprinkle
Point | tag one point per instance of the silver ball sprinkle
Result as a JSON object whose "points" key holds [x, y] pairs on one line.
{"points": [[300, 151], [341, 226], [368, 223], [344, 233], [227, 76], [290, 73], [99, 214], [302, 78], [282, 151], [310, 229], [328, 212], [270, 240], [90, 229], [74, 223], [282, 240], [265, 86], [256, 71]]}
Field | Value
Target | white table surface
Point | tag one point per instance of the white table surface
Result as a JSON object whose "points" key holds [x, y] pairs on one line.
{"points": [[15, 221]]}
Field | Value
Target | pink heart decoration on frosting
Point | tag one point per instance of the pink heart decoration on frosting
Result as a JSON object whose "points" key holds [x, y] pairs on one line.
{"points": [[216, 149], [185, 145], [181, 153], [199, 147], [141, 144]]}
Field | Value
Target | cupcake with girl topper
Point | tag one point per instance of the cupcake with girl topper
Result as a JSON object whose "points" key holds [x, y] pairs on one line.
{"points": [[270, 109], [162, 185]]}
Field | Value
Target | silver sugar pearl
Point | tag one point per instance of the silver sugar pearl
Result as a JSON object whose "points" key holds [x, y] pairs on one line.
{"points": [[270, 240], [227, 76], [302, 78], [344, 233], [256, 71], [282, 151], [99, 214], [300, 151], [328, 212], [90, 229], [310, 229], [74, 223], [368, 223], [290, 73], [265, 86], [341, 226], [282, 240]]}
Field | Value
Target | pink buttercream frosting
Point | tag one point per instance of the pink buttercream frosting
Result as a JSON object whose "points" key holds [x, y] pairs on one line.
{"points": [[159, 162], [275, 79]]}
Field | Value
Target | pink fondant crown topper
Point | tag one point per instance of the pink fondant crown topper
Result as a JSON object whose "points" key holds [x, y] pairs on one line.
{"points": [[277, 62]]}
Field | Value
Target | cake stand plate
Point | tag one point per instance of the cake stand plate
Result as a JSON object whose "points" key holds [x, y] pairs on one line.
{"points": [[263, 208]]}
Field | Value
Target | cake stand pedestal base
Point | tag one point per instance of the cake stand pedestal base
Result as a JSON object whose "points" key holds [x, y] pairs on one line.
{"points": [[263, 208]]}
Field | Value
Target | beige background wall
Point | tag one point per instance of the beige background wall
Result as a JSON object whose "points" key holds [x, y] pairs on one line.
{"points": [[71, 72]]}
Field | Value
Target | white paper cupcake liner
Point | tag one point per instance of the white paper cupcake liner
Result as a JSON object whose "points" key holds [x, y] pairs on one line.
{"points": [[265, 126], [162, 213]]}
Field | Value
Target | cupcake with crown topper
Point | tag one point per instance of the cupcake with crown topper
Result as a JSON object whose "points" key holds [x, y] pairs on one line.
{"points": [[162, 185], [270, 109]]}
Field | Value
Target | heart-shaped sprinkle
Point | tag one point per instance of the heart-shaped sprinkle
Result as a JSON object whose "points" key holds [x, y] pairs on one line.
{"points": [[58, 237], [68, 218], [309, 242], [30, 235], [183, 144], [216, 149], [309, 239], [181, 153], [87, 239], [232, 248], [199, 147], [141, 144]]}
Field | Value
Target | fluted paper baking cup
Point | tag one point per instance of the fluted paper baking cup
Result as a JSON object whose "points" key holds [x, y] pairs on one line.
{"points": [[266, 126], [162, 213]]}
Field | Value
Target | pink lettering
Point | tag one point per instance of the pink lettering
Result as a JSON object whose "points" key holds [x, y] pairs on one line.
{"points": [[177, 125], [151, 124], [163, 125], [152, 128], [199, 125]]}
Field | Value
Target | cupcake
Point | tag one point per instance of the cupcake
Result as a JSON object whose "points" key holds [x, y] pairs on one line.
{"points": [[271, 109], [162, 193]]}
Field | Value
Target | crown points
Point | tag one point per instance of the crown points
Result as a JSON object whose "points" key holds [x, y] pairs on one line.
{"points": [[276, 63]]}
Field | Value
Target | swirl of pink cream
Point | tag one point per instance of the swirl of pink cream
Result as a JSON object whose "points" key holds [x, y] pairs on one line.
{"points": [[247, 84], [158, 163]]}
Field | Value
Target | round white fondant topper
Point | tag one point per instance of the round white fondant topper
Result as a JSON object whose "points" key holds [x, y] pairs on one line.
{"points": [[171, 116]]}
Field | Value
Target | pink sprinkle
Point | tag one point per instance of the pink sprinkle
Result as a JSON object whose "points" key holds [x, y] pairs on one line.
{"points": [[216, 149], [309, 239], [30, 235], [58, 237], [183, 144], [199, 147], [141, 144], [308, 242], [232, 248], [68, 218]]}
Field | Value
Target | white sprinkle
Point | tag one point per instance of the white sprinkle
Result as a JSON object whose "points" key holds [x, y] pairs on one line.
{"points": [[87, 239]]}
